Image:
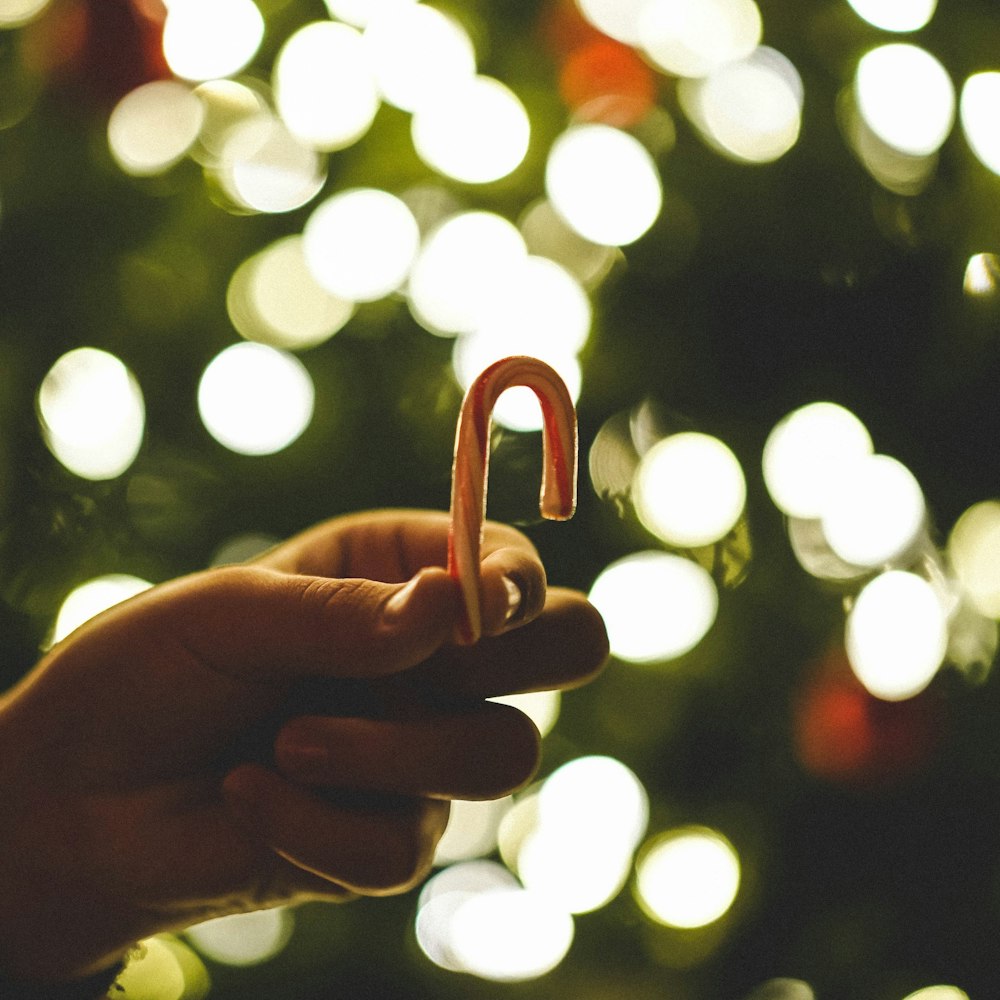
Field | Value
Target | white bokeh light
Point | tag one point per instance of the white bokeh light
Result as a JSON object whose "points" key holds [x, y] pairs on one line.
{"points": [[974, 553], [905, 97], [874, 511], [92, 413], [324, 85], [687, 877], [273, 298], [695, 37], [465, 265], [92, 597], [361, 12], [361, 243], [152, 127], [656, 606], [618, 19], [604, 183], [254, 399], [895, 15], [542, 707], [979, 111], [243, 939], [805, 452], [207, 39], [417, 53], [15, 13], [471, 831], [938, 993], [689, 489], [897, 635], [476, 133]]}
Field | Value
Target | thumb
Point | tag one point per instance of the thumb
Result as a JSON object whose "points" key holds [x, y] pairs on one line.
{"points": [[265, 625]]}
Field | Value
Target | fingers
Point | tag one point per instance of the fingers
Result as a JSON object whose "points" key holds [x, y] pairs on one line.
{"points": [[484, 752], [563, 648], [372, 845], [265, 625]]}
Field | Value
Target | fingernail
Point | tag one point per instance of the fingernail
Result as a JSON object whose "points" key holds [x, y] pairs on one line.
{"points": [[513, 599], [396, 606]]}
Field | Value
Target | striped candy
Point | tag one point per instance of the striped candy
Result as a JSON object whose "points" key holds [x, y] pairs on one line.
{"points": [[557, 500]]}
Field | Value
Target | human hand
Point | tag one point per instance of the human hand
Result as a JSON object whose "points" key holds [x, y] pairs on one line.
{"points": [[133, 802]]}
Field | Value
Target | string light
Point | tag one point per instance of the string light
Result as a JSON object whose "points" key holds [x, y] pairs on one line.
{"points": [[243, 939], [973, 545], [978, 109], [208, 39]]}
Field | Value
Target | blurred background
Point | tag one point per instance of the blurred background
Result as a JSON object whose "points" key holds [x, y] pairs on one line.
{"points": [[253, 252]]}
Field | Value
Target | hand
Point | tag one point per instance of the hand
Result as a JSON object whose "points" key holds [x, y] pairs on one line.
{"points": [[286, 730]]}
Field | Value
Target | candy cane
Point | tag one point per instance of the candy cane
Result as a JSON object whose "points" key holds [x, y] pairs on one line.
{"points": [[557, 499]]}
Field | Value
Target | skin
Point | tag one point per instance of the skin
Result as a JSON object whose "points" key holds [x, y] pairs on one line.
{"points": [[281, 731]]}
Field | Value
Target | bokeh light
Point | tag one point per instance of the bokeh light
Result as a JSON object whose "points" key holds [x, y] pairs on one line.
{"points": [[273, 298], [982, 274], [542, 707], [164, 968], [974, 553], [805, 453], [656, 606], [225, 103], [472, 830], [153, 126], [417, 53], [207, 39], [896, 635], [617, 19], [254, 399], [751, 109], [895, 15], [874, 512], [476, 132], [361, 243], [92, 597], [361, 12], [783, 989], [547, 234], [905, 97], [92, 413], [465, 266], [689, 489], [696, 37], [604, 183], [324, 86], [938, 993], [687, 877], [979, 109], [243, 939], [264, 168], [15, 13]]}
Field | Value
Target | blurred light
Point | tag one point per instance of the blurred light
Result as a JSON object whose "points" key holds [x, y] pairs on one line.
{"points": [[151, 128], [264, 168], [273, 298], [874, 511], [979, 110], [750, 110], [900, 172], [618, 19], [243, 939], [896, 635], [471, 831], [604, 183], [608, 82], [688, 877], [15, 13], [974, 552], [156, 973], [519, 823], [92, 413], [91, 598], [696, 37], [542, 707], [242, 548], [417, 53], [905, 97], [477, 132], [517, 409], [255, 400], [895, 15], [547, 234], [689, 490], [207, 39], [510, 935], [613, 460], [324, 87], [982, 274], [938, 993], [360, 12], [225, 104], [656, 606], [973, 642], [805, 453], [783, 989], [361, 243], [814, 555], [463, 268]]}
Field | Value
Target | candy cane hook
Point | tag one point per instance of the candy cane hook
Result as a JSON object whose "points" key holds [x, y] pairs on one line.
{"points": [[557, 499]]}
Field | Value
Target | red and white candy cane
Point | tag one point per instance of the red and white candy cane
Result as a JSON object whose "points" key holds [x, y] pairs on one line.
{"points": [[557, 500]]}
